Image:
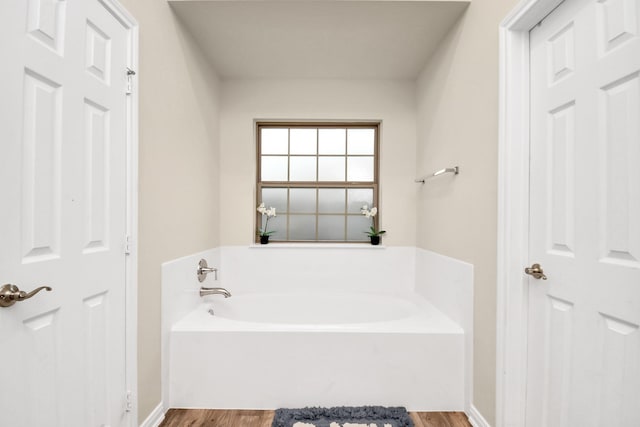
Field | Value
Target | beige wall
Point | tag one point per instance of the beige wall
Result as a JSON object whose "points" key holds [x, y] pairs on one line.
{"points": [[458, 125], [393, 102], [178, 193]]}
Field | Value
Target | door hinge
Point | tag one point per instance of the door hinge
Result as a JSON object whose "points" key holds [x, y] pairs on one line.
{"points": [[129, 403], [130, 74], [128, 245], [550, 12]]}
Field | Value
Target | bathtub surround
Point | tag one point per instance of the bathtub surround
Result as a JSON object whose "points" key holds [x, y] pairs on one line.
{"points": [[317, 267], [180, 293], [447, 283], [437, 349]]}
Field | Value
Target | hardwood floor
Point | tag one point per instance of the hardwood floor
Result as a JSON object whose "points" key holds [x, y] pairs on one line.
{"points": [[216, 418], [439, 419], [236, 418]]}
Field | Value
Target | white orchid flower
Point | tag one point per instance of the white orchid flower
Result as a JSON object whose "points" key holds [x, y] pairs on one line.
{"points": [[270, 213], [369, 213]]}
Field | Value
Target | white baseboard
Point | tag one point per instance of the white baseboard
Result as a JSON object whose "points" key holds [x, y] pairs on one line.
{"points": [[476, 419], [155, 417]]}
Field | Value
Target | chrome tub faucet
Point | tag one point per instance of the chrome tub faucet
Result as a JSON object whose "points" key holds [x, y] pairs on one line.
{"points": [[203, 270], [214, 291]]}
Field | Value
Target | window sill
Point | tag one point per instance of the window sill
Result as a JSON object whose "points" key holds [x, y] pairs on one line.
{"points": [[276, 245]]}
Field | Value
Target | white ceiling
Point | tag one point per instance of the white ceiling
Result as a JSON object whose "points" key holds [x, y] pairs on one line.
{"points": [[363, 39]]}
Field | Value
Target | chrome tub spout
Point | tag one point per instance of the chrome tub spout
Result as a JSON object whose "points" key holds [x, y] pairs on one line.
{"points": [[214, 291]]}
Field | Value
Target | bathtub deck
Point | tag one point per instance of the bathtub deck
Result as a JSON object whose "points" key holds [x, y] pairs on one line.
{"points": [[429, 320], [248, 418]]}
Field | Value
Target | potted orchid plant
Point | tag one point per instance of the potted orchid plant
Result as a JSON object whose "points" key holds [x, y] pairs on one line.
{"points": [[263, 233], [373, 234]]}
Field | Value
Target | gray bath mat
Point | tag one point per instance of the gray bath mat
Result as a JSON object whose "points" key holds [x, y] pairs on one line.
{"points": [[343, 416]]}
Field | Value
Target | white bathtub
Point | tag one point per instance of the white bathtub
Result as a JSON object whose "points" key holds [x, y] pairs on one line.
{"points": [[263, 351], [316, 309]]}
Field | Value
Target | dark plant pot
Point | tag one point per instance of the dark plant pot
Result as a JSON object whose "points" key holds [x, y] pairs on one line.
{"points": [[264, 240], [375, 240]]}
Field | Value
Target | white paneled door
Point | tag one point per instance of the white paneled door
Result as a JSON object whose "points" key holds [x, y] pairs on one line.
{"points": [[584, 338], [63, 154]]}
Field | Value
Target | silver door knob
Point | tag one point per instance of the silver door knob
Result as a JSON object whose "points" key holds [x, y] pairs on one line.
{"points": [[10, 294], [536, 271]]}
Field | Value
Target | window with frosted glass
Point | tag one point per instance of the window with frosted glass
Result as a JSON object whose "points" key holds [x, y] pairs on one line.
{"points": [[318, 177]]}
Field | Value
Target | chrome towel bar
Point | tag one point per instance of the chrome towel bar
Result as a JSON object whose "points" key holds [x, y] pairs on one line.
{"points": [[454, 170]]}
